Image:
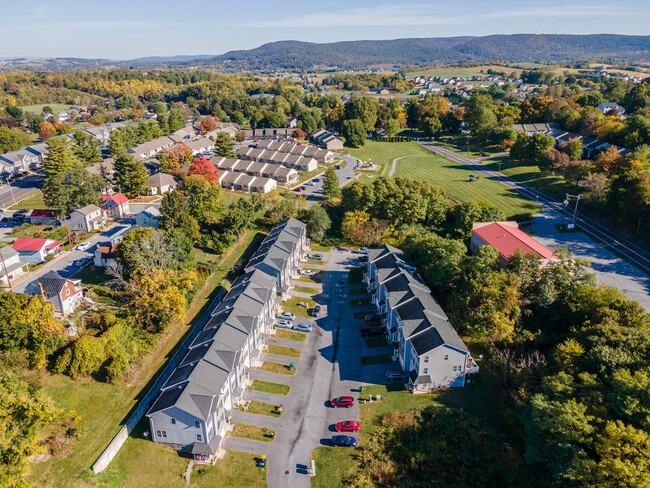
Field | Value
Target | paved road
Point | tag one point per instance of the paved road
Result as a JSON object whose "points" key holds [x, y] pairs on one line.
{"points": [[64, 264], [345, 174], [20, 189], [592, 227]]}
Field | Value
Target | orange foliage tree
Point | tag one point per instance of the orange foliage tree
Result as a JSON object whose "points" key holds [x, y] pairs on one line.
{"points": [[173, 158], [203, 167]]}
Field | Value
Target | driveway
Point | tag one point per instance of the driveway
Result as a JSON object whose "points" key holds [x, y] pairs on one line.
{"points": [[610, 269]]}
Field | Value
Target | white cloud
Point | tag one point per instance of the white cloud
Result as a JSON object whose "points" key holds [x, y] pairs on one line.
{"points": [[561, 11]]}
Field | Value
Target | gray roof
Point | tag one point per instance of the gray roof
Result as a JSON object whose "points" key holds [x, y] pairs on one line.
{"points": [[162, 179], [151, 212], [87, 210], [52, 282]]}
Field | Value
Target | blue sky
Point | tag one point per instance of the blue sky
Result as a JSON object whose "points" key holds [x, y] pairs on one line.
{"points": [[125, 29]]}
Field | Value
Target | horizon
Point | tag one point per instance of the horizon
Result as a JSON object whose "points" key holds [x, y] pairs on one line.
{"points": [[129, 31]]}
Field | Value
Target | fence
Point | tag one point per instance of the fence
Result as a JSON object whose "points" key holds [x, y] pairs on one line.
{"points": [[118, 441]]}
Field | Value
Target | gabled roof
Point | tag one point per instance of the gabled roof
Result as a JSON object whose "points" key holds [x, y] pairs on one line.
{"points": [[161, 179], [43, 213], [53, 282], [34, 244], [87, 210], [151, 212], [506, 238], [118, 198]]}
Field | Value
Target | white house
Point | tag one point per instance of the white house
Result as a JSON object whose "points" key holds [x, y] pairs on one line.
{"points": [[86, 219], [10, 265], [36, 249], [149, 217], [160, 183]]}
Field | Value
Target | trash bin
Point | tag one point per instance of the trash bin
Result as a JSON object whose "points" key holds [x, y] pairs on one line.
{"points": [[361, 389]]}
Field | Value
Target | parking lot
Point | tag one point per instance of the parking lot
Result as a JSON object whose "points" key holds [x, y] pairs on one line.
{"points": [[329, 366]]}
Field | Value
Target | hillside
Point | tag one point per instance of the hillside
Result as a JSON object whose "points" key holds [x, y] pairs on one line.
{"points": [[547, 48]]}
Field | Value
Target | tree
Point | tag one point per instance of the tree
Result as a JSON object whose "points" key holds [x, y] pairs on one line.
{"points": [[431, 126], [175, 120], [130, 175], [240, 136], [364, 109], [361, 229], [57, 189], [440, 259], [280, 208], [46, 130], [203, 196], [574, 148], [239, 217], [173, 158], [298, 133], [467, 213], [224, 145], [12, 139], [392, 127], [331, 185], [354, 132], [205, 169], [208, 124], [317, 221], [175, 215], [86, 148], [144, 249], [535, 149]]}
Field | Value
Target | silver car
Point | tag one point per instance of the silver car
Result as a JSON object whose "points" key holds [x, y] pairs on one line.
{"points": [[303, 327], [283, 324]]}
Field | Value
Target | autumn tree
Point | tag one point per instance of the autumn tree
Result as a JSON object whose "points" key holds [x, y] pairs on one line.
{"points": [[208, 124], [298, 133], [12, 139], [359, 227], [203, 167], [203, 197], [173, 158], [46, 130], [240, 136]]}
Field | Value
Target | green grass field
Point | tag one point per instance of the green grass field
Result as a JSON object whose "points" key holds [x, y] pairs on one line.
{"points": [[284, 351], [277, 368], [262, 408], [35, 200], [246, 431], [293, 305], [270, 387], [306, 289], [38, 108], [424, 165], [291, 335]]}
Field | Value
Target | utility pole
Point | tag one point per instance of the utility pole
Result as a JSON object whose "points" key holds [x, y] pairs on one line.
{"points": [[499, 177], [4, 267], [575, 210]]}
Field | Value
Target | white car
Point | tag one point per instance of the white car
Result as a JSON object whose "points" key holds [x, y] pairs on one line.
{"points": [[83, 246], [303, 327], [308, 272], [363, 250], [283, 324], [286, 315], [310, 183]]}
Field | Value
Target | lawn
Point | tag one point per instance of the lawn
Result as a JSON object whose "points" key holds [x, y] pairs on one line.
{"points": [[332, 466], [38, 108], [376, 342], [35, 200], [291, 335], [284, 351], [277, 368], [321, 262], [361, 302], [306, 289], [311, 279], [95, 279], [103, 407], [270, 387], [246, 431], [320, 247], [262, 408], [236, 470], [355, 276], [306, 176], [376, 359], [293, 305], [383, 153]]}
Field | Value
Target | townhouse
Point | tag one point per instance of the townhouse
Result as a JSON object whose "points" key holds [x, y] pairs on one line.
{"points": [[103, 133], [327, 140], [150, 149], [192, 411], [200, 146], [244, 182], [426, 345], [269, 133], [294, 161], [20, 161], [320, 155], [254, 168]]}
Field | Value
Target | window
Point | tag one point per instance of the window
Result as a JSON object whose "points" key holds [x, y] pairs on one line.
{"points": [[426, 359], [199, 438], [161, 433], [457, 369], [174, 421], [197, 424], [446, 357], [67, 291], [425, 371]]}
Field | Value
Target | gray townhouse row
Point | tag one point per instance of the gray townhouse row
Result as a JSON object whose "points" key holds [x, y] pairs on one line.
{"points": [[320, 155], [192, 412], [293, 161], [254, 168], [427, 346]]}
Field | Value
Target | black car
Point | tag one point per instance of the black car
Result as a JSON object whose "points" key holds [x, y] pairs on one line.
{"points": [[372, 332], [371, 317], [315, 311], [343, 441]]}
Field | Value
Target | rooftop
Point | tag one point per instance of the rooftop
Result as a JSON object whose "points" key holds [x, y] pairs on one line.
{"points": [[507, 238]]}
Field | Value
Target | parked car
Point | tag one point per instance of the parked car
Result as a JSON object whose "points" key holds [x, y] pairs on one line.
{"points": [[310, 183], [303, 327], [343, 441], [316, 256], [371, 317], [348, 426], [297, 190], [363, 250], [287, 316], [316, 180], [80, 263], [83, 246], [315, 311], [283, 324], [395, 376], [343, 401], [308, 272], [207, 153], [319, 190]]}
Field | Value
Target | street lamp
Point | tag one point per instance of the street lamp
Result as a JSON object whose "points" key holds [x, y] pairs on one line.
{"points": [[499, 163], [566, 202]]}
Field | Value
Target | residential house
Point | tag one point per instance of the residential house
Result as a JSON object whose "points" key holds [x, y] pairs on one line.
{"points": [[610, 107], [327, 140], [43, 217], [65, 294], [426, 345], [183, 135], [269, 133], [115, 206], [149, 149], [36, 249], [160, 183], [39, 150], [253, 168], [10, 265], [21, 161], [244, 182], [294, 161], [199, 146], [86, 219], [280, 253], [306, 150], [507, 238], [192, 411], [149, 217], [104, 255], [103, 132]]}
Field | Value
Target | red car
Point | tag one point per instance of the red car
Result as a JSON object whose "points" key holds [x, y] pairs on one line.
{"points": [[343, 401], [297, 189], [348, 426]]}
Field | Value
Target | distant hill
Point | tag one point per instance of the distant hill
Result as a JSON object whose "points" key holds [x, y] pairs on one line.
{"points": [[547, 48], [170, 59]]}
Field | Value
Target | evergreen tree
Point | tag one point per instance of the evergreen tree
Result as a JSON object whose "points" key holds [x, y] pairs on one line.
{"points": [[130, 175], [224, 145], [86, 148], [175, 215], [175, 120], [331, 188]]}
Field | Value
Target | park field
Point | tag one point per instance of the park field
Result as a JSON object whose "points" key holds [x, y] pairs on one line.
{"points": [[38, 108], [464, 72], [421, 164]]}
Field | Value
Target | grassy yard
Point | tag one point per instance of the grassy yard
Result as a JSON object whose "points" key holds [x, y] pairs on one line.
{"points": [[317, 261], [320, 247], [38, 108], [355, 276], [103, 407], [361, 302], [293, 305], [332, 466], [376, 342], [306, 289], [306, 176], [311, 279], [35, 200], [376, 359], [246, 431], [236, 470], [262, 408], [277, 368], [270, 387], [95, 279], [421, 164], [284, 351], [291, 335]]}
